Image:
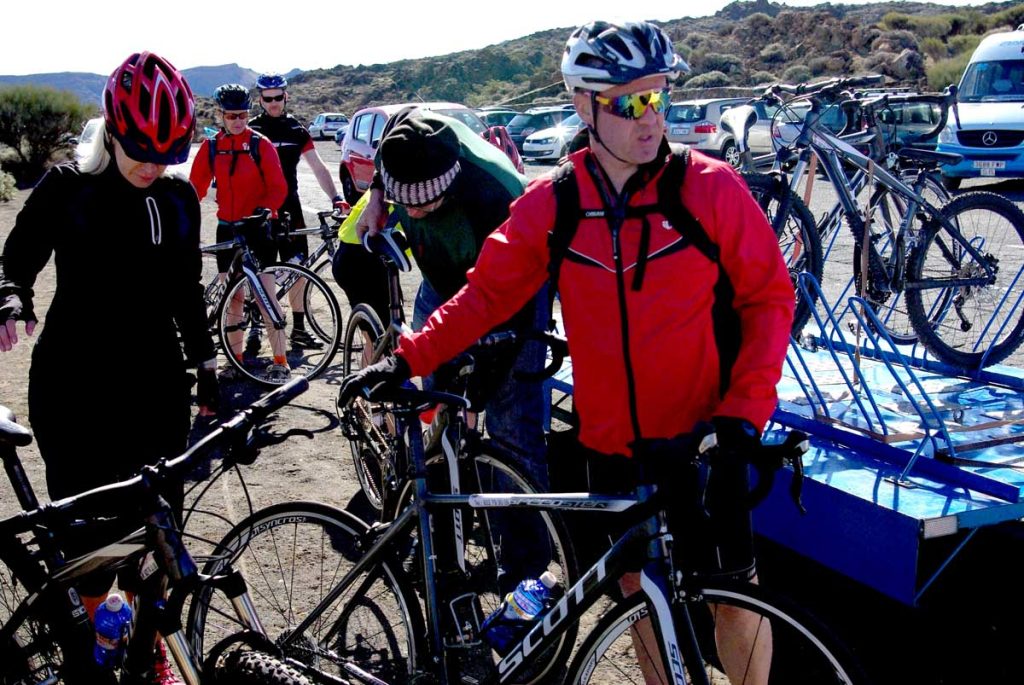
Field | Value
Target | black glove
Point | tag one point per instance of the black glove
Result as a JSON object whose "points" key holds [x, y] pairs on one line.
{"points": [[207, 390], [16, 305], [392, 371], [736, 436]]}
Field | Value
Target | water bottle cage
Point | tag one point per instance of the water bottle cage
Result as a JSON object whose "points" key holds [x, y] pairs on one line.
{"points": [[466, 620]]}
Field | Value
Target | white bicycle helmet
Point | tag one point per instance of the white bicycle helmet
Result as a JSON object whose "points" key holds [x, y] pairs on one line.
{"points": [[600, 55]]}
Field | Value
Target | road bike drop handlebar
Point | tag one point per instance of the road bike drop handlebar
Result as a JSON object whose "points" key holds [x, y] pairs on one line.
{"points": [[700, 446], [132, 496], [946, 100]]}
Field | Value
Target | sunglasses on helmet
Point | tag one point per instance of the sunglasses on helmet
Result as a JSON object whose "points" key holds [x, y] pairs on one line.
{"points": [[634, 105]]}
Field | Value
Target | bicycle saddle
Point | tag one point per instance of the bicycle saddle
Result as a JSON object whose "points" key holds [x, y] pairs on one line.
{"points": [[390, 245], [11, 432], [737, 121]]}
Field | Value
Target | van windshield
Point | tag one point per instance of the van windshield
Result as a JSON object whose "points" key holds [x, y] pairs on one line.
{"points": [[999, 81]]}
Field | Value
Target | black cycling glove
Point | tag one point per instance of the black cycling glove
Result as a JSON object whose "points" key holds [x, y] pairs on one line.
{"points": [[736, 436], [391, 371], [16, 304], [207, 389]]}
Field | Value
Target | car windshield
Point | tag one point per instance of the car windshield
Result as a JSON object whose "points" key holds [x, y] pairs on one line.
{"points": [[465, 116], [520, 120], [1000, 81], [684, 112], [571, 122]]}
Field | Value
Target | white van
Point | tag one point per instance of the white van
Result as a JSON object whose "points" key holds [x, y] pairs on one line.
{"points": [[991, 133]]}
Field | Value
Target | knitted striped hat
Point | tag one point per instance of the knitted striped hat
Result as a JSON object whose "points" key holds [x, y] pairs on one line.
{"points": [[419, 161]]}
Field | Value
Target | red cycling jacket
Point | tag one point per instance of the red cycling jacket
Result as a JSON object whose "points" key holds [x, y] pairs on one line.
{"points": [[672, 362], [241, 186]]}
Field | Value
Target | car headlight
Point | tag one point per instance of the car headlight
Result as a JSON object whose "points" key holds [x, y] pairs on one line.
{"points": [[542, 141], [947, 134]]}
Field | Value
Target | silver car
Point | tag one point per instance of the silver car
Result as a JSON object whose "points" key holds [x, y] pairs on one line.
{"points": [[695, 122]]}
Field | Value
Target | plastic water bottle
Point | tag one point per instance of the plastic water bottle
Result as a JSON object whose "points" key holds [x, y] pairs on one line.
{"points": [[113, 618], [516, 614]]}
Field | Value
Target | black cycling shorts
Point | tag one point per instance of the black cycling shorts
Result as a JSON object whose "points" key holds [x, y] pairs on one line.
{"points": [[261, 245], [712, 538]]}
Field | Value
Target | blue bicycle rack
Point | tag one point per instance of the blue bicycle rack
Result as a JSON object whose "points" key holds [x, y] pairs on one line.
{"points": [[904, 450]]}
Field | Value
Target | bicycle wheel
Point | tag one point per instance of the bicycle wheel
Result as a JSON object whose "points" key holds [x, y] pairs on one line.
{"points": [[375, 471], [291, 555], [32, 655], [246, 331], [798, 237], [970, 326], [324, 271], [800, 650], [502, 547], [887, 210]]}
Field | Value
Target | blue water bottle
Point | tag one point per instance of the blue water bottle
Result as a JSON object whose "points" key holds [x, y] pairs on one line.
{"points": [[516, 614], [113, 619]]}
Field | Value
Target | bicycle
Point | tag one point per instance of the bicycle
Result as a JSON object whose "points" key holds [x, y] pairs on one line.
{"points": [[944, 261], [251, 301], [45, 633], [321, 259], [443, 644]]}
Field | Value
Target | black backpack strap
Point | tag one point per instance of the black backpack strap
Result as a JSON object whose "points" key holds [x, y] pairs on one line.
{"points": [[567, 220], [212, 147], [254, 150]]}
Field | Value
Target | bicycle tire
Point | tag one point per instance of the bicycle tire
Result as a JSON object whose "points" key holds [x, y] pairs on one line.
{"points": [[803, 651], [254, 332], [375, 474], [968, 327], [34, 650], [486, 574], [256, 668], [291, 554], [799, 240], [887, 210], [324, 269]]}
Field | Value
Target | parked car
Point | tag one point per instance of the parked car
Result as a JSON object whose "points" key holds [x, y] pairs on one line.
{"points": [[326, 124], [551, 143], [990, 133], [339, 135], [497, 116], [83, 143], [355, 171], [536, 119], [695, 122]]}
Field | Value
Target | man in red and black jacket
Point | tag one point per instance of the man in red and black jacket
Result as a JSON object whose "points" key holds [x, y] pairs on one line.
{"points": [[638, 296]]}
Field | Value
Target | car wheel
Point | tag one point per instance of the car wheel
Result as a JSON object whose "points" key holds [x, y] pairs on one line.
{"points": [[348, 188], [731, 155], [951, 183]]}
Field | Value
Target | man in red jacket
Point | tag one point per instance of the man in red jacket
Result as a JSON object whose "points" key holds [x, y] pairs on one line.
{"points": [[247, 180], [650, 358]]}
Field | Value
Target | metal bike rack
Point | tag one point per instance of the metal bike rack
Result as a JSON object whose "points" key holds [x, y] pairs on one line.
{"points": [[904, 451]]}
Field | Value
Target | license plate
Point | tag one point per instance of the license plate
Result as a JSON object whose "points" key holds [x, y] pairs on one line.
{"points": [[680, 130], [987, 172], [989, 164]]}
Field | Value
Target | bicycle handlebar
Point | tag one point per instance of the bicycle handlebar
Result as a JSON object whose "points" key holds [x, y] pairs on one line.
{"points": [[125, 496], [830, 86]]}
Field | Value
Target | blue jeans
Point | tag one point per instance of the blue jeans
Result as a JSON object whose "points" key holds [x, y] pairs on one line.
{"points": [[513, 419]]}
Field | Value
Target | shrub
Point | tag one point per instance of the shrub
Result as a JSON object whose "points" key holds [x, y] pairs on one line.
{"points": [[961, 44], [35, 124], [761, 78], [774, 52], [7, 186], [711, 79], [714, 61], [818, 65], [897, 21], [895, 42], [947, 71], [798, 73], [934, 48]]}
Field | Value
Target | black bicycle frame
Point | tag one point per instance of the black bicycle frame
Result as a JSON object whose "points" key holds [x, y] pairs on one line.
{"points": [[648, 539]]}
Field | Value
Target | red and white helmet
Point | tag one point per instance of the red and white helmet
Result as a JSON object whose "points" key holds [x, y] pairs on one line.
{"points": [[149, 108]]}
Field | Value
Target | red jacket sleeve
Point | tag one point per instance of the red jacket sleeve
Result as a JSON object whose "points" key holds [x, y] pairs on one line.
{"points": [[511, 268], [201, 174], [275, 187], [764, 299]]}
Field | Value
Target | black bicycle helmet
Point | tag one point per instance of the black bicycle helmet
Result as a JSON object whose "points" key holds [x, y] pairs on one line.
{"points": [[600, 55], [232, 97], [271, 81]]}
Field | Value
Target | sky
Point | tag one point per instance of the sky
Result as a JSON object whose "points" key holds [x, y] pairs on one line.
{"points": [[44, 36]]}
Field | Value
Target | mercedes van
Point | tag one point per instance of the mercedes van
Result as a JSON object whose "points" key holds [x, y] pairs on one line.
{"points": [[991, 104]]}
